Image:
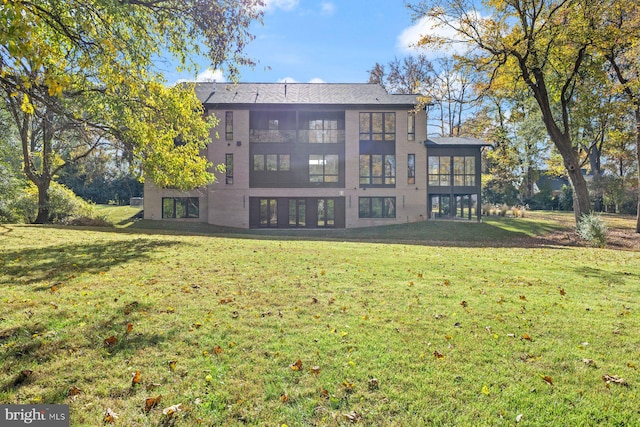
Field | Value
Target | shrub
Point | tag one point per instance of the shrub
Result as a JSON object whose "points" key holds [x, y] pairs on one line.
{"points": [[65, 206], [592, 228], [503, 210]]}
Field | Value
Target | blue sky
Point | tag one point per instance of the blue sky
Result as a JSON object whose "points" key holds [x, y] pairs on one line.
{"points": [[323, 41]]}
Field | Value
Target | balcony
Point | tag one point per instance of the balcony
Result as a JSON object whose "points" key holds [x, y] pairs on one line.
{"points": [[272, 136]]}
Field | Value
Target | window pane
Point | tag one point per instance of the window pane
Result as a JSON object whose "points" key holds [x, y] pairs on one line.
{"points": [[376, 207], [434, 165], [330, 212], [389, 207], [167, 208], [293, 212], [376, 122], [390, 169], [229, 125], [411, 169], [470, 165], [321, 213], [470, 180], [390, 123], [365, 123], [364, 169], [316, 164], [445, 180], [376, 165], [411, 126], [284, 162], [458, 165], [272, 162], [181, 208], [364, 210], [331, 164], [458, 180], [273, 208], [258, 162], [264, 211], [193, 207], [302, 212], [445, 165]]}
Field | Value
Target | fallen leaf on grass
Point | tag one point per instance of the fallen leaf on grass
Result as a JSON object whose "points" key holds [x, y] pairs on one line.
{"points": [[589, 362], [136, 378], [151, 402], [284, 398], [172, 409], [563, 292], [348, 387], [74, 391], [523, 298], [130, 307], [108, 342], [519, 418], [438, 355], [352, 417], [109, 416], [614, 379], [315, 370], [485, 390], [129, 328], [172, 365], [373, 384], [217, 349], [297, 366], [547, 379], [464, 304], [226, 300], [527, 337]]}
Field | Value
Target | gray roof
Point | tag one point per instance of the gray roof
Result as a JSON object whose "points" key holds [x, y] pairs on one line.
{"points": [[456, 140], [300, 94]]}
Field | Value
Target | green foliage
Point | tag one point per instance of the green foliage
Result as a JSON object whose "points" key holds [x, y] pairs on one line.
{"points": [[64, 207], [592, 228]]}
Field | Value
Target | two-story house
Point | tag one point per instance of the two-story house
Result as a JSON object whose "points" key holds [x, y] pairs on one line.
{"points": [[324, 156]]}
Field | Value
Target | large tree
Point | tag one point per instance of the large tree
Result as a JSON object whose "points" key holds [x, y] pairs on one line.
{"points": [[544, 43], [77, 74], [620, 45]]}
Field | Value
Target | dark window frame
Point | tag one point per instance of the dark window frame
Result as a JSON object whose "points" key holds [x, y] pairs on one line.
{"points": [[368, 131], [271, 218], [387, 178], [411, 169], [368, 207], [228, 168], [334, 177], [279, 162], [228, 125], [411, 126], [328, 207], [190, 205]]}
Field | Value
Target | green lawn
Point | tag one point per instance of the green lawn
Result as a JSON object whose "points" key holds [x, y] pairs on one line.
{"points": [[438, 323]]}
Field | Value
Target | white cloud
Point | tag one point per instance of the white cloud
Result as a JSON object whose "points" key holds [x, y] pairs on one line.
{"points": [[281, 4], [410, 36], [328, 8], [292, 80], [287, 80], [210, 75]]}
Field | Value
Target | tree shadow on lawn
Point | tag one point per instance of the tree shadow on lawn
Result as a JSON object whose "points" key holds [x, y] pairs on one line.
{"points": [[59, 262]]}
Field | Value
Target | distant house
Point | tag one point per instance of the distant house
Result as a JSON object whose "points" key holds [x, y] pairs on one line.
{"points": [[324, 156]]}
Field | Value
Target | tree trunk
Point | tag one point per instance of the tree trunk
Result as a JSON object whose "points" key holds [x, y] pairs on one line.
{"points": [[638, 158], [44, 202]]}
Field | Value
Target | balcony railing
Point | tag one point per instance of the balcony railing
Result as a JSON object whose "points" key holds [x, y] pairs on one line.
{"points": [[329, 136]]}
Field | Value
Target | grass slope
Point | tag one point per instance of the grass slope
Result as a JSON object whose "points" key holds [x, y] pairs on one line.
{"points": [[247, 329]]}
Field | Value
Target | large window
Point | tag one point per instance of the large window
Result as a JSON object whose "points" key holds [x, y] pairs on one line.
{"points": [[411, 169], [180, 207], [439, 171], [411, 126], [324, 167], [322, 128], [377, 126], [268, 212], [377, 207], [228, 167], [464, 171], [378, 169], [271, 162], [466, 205], [228, 125], [463, 167]]}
